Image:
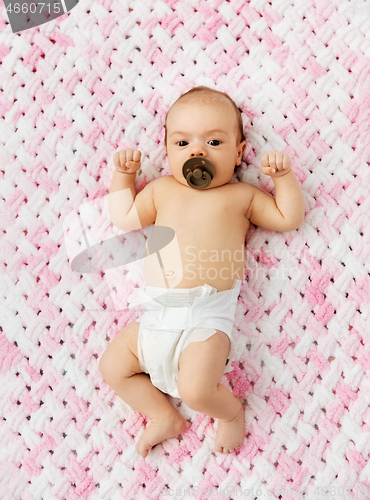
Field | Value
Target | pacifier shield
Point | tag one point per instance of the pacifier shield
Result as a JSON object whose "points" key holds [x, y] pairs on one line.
{"points": [[198, 172]]}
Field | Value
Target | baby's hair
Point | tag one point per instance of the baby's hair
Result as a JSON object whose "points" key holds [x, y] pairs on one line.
{"points": [[207, 95]]}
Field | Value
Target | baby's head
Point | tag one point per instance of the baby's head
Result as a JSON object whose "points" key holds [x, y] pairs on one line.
{"points": [[205, 122]]}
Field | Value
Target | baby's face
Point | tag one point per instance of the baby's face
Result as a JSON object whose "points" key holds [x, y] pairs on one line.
{"points": [[208, 130]]}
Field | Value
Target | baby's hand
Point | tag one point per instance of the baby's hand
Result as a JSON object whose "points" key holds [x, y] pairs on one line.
{"points": [[127, 161], [275, 163]]}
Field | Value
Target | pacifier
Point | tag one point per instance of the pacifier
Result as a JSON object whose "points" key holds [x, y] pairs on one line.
{"points": [[198, 172]]}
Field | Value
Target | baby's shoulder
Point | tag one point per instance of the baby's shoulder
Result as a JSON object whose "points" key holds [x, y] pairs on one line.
{"points": [[241, 195], [161, 182], [157, 182], [164, 178], [241, 188], [240, 185], [160, 186]]}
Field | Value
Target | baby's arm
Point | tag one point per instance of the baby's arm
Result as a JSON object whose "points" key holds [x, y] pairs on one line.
{"points": [[286, 211], [128, 210]]}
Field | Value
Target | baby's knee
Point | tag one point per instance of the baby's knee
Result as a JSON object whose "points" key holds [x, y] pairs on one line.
{"points": [[105, 364], [119, 361], [194, 396], [113, 372]]}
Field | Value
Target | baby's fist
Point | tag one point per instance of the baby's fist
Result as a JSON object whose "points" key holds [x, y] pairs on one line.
{"points": [[127, 161], [275, 163]]}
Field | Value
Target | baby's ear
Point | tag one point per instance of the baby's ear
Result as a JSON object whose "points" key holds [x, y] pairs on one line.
{"points": [[241, 148]]}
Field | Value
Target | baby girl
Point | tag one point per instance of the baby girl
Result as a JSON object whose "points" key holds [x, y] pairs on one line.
{"points": [[190, 322]]}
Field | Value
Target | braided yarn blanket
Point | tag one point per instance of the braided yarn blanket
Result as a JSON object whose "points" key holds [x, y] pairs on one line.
{"points": [[101, 78]]}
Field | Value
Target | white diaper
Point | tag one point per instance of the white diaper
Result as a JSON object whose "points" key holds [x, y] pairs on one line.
{"points": [[174, 318]]}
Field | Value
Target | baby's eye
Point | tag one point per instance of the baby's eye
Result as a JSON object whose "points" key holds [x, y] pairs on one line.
{"points": [[213, 142], [182, 144]]}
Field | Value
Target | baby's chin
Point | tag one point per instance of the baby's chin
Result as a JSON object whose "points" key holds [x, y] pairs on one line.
{"points": [[180, 180]]}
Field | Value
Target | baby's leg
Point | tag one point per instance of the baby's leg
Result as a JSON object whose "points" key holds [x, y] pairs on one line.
{"points": [[120, 368], [200, 368]]}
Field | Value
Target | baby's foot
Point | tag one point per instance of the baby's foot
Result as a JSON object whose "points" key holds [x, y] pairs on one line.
{"points": [[230, 435], [162, 427]]}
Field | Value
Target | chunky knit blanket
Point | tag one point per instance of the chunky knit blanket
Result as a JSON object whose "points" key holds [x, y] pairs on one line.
{"points": [[101, 78]]}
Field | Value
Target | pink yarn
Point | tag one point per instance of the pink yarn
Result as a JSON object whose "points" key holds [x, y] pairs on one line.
{"points": [[101, 78]]}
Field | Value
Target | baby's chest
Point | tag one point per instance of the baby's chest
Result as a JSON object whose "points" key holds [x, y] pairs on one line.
{"points": [[180, 206], [198, 212]]}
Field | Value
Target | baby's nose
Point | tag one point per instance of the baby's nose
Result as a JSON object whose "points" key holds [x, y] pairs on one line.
{"points": [[197, 151]]}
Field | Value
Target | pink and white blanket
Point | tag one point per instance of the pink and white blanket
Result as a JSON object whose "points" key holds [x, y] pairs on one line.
{"points": [[78, 88]]}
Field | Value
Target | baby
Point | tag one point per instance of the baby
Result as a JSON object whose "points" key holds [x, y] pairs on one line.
{"points": [[190, 322]]}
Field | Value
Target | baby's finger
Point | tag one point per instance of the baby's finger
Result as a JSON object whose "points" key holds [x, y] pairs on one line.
{"points": [[129, 155], [265, 160], [286, 162], [266, 170], [118, 161], [279, 161], [136, 155], [132, 165], [272, 160], [122, 157]]}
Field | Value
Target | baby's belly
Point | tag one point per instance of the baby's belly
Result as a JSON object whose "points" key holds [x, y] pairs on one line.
{"points": [[195, 265]]}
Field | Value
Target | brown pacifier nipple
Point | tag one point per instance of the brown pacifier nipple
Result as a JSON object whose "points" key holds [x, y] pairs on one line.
{"points": [[198, 172]]}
